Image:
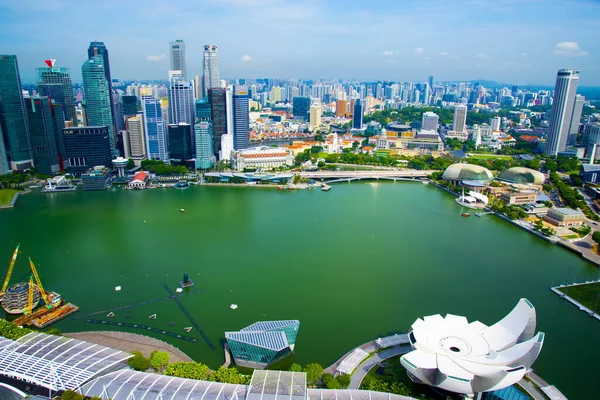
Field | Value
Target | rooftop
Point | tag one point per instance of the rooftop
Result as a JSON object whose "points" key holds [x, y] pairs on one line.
{"points": [[567, 211]]}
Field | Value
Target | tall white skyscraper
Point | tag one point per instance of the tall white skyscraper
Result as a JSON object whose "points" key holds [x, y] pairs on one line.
{"points": [[177, 56], [576, 118], [460, 119], [226, 147], [181, 100], [211, 68], [562, 110], [429, 121]]}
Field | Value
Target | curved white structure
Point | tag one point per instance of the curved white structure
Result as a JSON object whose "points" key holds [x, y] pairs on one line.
{"points": [[462, 357]]}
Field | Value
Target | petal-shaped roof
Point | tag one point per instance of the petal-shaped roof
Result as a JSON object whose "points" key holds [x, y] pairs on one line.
{"points": [[462, 171]]}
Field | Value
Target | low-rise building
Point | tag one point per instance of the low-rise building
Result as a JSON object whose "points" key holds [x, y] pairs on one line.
{"points": [[519, 198], [590, 173], [97, 178], [564, 217], [141, 180], [261, 158]]}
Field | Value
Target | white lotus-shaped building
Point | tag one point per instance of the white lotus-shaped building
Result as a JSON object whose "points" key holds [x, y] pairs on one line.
{"points": [[452, 354]]}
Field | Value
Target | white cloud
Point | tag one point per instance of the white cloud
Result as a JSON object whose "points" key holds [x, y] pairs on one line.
{"points": [[483, 55], [389, 53], [246, 58], [444, 54], [157, 58], [419, 50], [569, 49]]}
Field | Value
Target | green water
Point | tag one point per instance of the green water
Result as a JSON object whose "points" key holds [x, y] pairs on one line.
{"points": [[358, 262]]}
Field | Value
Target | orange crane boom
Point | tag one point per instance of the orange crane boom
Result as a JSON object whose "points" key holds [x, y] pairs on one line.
{"points": [[10, 269], [39, 284]]}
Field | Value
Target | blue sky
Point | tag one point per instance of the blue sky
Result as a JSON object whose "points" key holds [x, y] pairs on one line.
{"points": [[513, 41]]}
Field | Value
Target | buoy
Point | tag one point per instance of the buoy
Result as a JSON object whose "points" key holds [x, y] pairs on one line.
{"points": [[153, 316], [187, 329], [233, 306], [179, 290], [110, 314], [117, 288]]}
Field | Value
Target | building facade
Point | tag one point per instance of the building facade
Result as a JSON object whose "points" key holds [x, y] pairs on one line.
{"points": [[177, 57], [180, 142], [211, 68], [4, 166], [357, 115], [564, 217], [301, 107], [157, 145], [181, 100], [97, 178], [575, 118], [315, 117], [129, 105], [98, 99], [561, 114], [55, 82], [43, 135], [226, 148], [99, 49], [13, 117], [460, 119], [136, 137], [241, 118], [429, 121], [261, 158], [205, 157], [87, 147], [203, 110], [218, 107]]}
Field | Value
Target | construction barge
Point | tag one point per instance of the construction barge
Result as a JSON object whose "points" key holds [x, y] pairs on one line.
{"points": [[23, 297]]}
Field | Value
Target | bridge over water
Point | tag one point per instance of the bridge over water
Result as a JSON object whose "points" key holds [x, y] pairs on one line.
{"points": [[347, 176]]}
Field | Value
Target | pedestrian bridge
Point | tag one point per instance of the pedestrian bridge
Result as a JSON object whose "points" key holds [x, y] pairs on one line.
{"points": [[347, 176]]}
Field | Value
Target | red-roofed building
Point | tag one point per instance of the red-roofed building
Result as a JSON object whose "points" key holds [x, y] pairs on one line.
{"points": [[141, 180], [530, 138]]}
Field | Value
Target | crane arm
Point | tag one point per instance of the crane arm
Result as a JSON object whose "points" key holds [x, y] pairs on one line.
{"points": [[31, 293], [10, 269], [39, 283]]}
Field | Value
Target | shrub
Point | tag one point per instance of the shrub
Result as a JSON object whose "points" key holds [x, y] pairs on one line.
{"points": [[138, 361], [190, 370]]}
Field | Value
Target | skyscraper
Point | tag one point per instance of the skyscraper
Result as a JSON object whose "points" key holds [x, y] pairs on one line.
{"points": [[157, 146], [43, 137], [205, 157], [98, 99], [181, 100], [576, 118], [218, 106], [241, 118], [180, 142], [562, 110], [87, 147], [315, 117], [129, 106], [13, 118], [460, 119], [429, 121], [341, 108], [198, 87], [357, 115], [211, 68], [136, 137], [55, 82], [203, 111], [4, 167], [226, 148], [178, 57], [301, 107], [495, 123], [99, 49]]}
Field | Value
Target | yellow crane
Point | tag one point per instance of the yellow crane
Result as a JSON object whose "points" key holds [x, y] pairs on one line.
{"points": [[39, 284], [10, 269], [30, 301]]}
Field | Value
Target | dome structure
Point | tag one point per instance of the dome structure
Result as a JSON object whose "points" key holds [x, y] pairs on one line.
{"points": [[16, 298], [522, 175], [469, 172], [452, 354]]}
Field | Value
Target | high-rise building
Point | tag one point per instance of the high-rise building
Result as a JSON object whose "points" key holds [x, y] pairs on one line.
{"points": [[205, 157], [4, 166], [55, 82], [576, 118], [13, 117], [136, 137], [591, 137], [87, 147], [561, 115], [460, 119], [301, 107], [429, 121], [229, 108], [203, 111], [129, 106], [177, 57], [43, 137], [315, 117], [211, 68], [157, 146], [98, 99], [218, 106], [226, 148], [341, 107], [58, 119], [357, 115], [99, 49], [181, 100], [198, 87], [241, 118], [495, 123], [180, 142]]}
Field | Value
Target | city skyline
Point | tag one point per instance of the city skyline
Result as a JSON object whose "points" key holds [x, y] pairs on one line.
{"points": [[395, 41]]}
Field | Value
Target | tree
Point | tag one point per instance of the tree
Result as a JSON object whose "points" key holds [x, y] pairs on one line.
{"points": [[229, 375], [378, 386], [189, 370], [159, 360], [333, 384], [326, 378], [53, 331], [296, 367], [71, 395], [344, 380], [313, 373], [138, 361], [551, 165], [130, 163], [596, 236]]}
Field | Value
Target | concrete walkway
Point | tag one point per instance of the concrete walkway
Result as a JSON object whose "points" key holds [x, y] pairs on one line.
{"points": [[531, 390], [363, 369]]}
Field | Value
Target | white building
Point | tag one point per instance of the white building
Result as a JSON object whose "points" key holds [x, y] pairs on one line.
{"points": [[460, 119], [495, 123], [261, 158], [430, 121], [561, 115], [211, 68], [182, 108], [315, 117], [136, 138], [382, 142], [177, 57], [226, 147]]}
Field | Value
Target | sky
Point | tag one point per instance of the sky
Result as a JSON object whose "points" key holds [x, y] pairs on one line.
{"points": [[509, 41]]}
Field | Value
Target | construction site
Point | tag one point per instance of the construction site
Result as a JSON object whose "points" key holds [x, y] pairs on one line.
{"points": [[24, 298]]}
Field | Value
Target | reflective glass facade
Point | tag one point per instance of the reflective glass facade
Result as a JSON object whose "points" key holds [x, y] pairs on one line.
{"points": [[56, 83], [241, 118], [203, 112], [98, 101], [129, 105], [205, 157], [4, 167], [156, 130], [43, 136], [87, 147], [218, 106], [180, 142], [301, 107]]}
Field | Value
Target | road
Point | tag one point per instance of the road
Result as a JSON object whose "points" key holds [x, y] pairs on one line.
{"points": [[363, 369]]}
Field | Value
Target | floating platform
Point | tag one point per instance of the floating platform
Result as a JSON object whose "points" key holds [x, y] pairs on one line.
{"points": [[187, 284], [55, 315]]}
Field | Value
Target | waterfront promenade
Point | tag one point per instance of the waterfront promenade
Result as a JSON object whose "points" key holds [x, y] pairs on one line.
{"points": [[377, 174]]}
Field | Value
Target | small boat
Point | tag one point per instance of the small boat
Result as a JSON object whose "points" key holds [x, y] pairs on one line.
{"points": [[110, 314], [117, 288], [465, 214], [233, 306], [179, 290], [187, 329], [326, 188], [182, 210], [153, 316], [171, 323]]}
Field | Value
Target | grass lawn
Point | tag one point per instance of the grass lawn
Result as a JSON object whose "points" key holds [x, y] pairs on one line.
{"points": [[488, 156], [570, 237], [6, 195], [585, 294]]}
